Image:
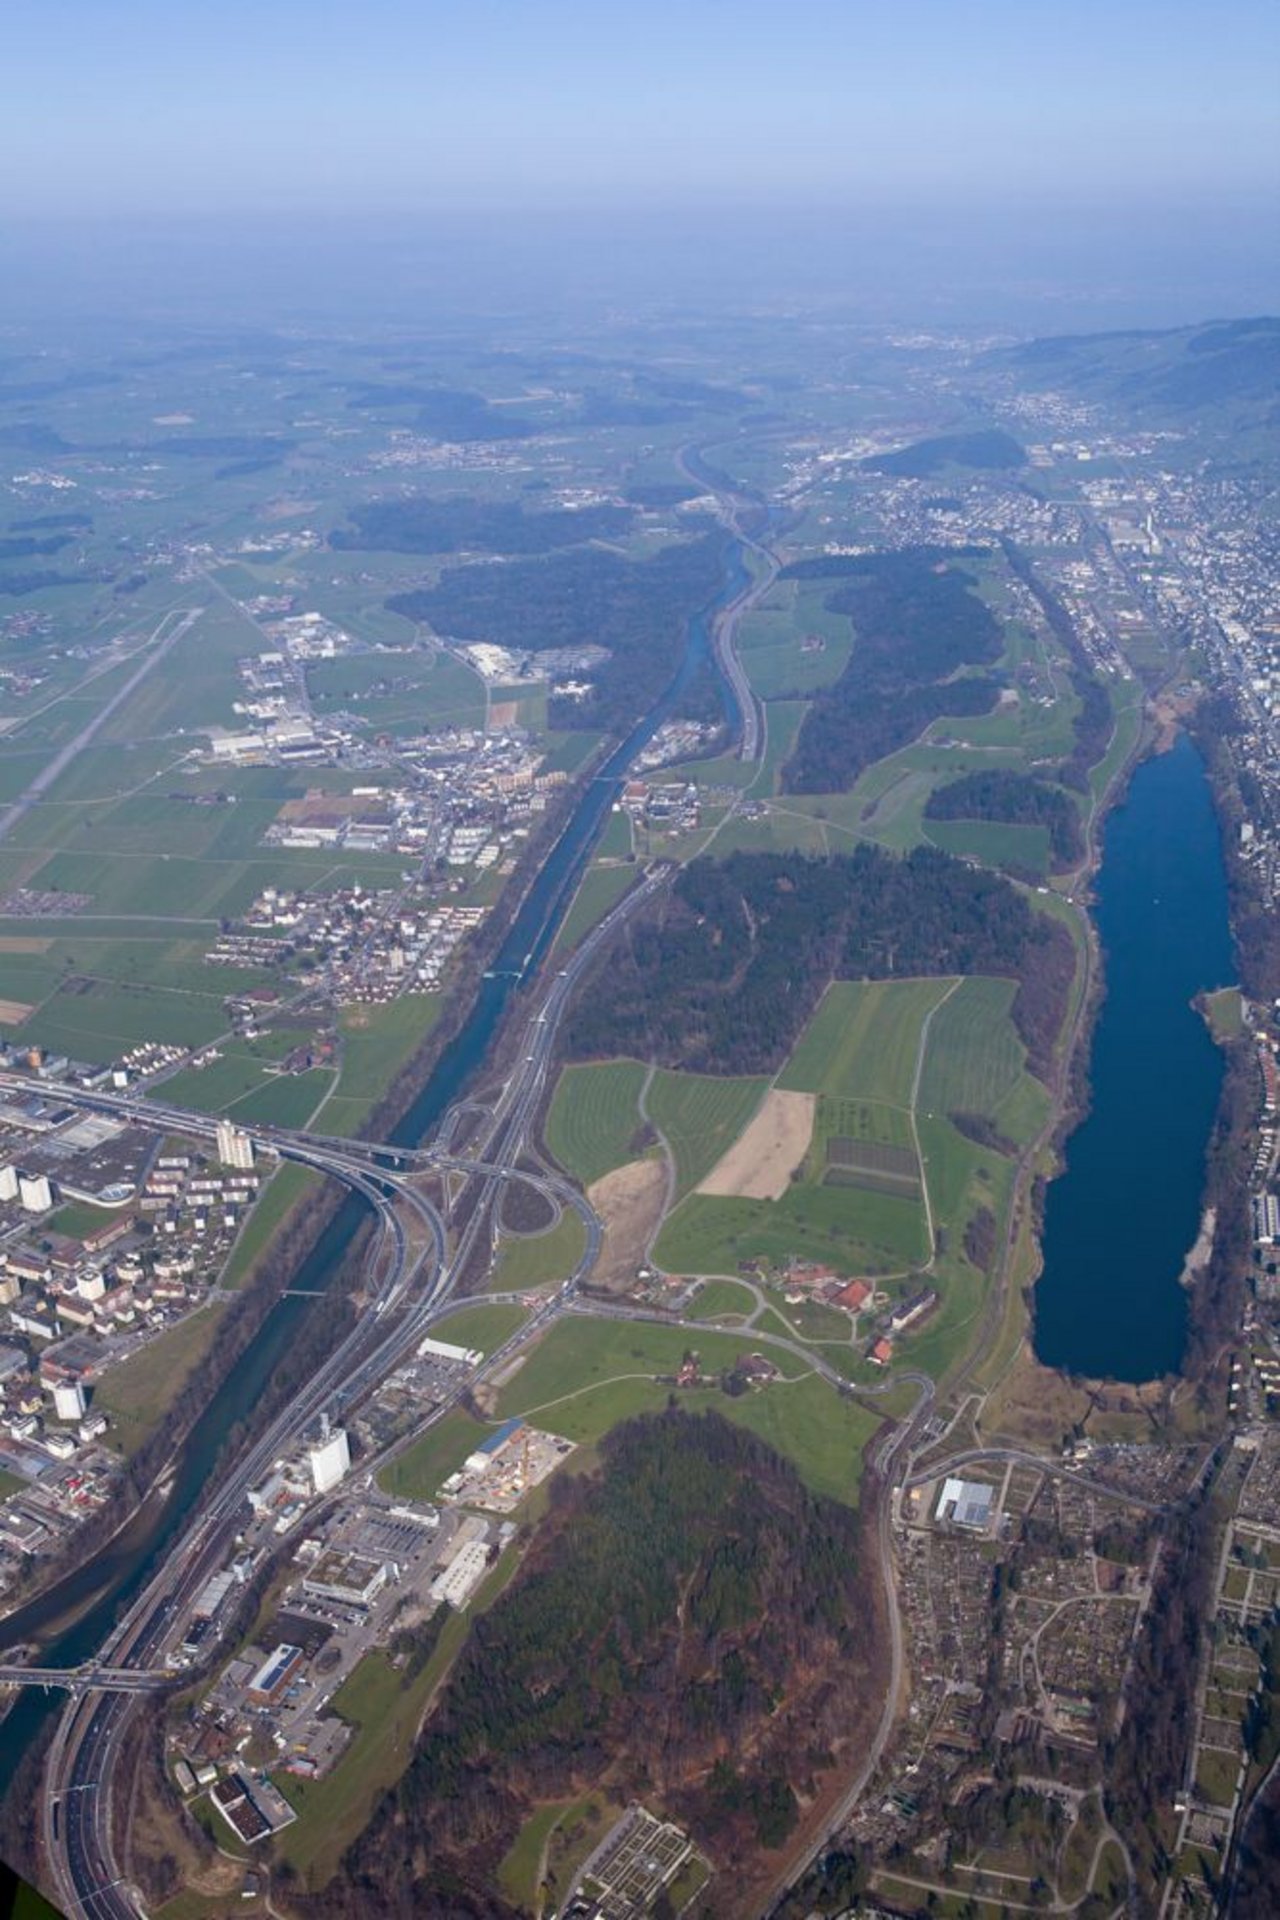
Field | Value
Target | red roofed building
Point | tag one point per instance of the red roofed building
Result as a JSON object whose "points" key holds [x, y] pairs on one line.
{"points": [[854, 1296], [882, 1352]]}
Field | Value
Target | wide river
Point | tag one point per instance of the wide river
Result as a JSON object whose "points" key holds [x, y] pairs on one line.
{"points": [[102, 1590], [1121, 1218]]}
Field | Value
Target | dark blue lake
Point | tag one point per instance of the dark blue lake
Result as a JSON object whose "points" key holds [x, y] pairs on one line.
{"points": [[1121, 1218]]}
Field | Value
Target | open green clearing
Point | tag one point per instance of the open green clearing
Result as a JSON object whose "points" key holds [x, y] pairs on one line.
{"points": [[594, 1117], [289, 1187], [1225, 1011], [719, 1299], [700, 1118], [519, 1872], [484, 1326], [1216, 1775], [79, 1217], [9, 1483], [601, 888], [587, 1375], [995, 843], [535, 1260], [416, 1473], [140, 1391]]}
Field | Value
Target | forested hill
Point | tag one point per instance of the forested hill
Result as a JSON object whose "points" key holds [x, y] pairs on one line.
{"points": [[690, 1627], [587, 596], [720, 973], [999, 793], [1225, 371], [984, 449], [920, 630]]}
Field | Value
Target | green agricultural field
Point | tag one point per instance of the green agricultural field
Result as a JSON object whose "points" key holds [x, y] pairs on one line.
{"points": [[288, 1100], [377, 1042], [853, 1230], [210, 1089], [864, 1040], [995, 843], [536, 1260], [699, 1118], [975, 1058], [585, 1376], [99, 1020], [594, 1117]]}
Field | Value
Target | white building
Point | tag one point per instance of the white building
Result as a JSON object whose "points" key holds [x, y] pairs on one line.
{"points": [[8, 1183], [330, 1461], [235, 1148], [68, 1400], [35, 1192]]}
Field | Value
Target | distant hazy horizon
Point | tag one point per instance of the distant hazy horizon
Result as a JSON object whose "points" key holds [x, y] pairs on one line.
{"points": [[1029, 274], [980, 162]]}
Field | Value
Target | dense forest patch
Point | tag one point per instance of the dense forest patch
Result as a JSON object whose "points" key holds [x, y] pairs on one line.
{"points": [[592, 596], [689, 1628], [721, 974], [446, 413], [919, 629], [456, 522], [1000, 794], [987, 448]]}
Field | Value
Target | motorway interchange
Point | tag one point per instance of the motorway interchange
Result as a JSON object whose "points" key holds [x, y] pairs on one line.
{"points": [[416, 1265]]}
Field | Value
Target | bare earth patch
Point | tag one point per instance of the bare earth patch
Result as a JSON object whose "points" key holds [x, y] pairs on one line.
{"points": [[14, 1012], [24, 943], [629, 1201], [759, 1164], [503, 713]]}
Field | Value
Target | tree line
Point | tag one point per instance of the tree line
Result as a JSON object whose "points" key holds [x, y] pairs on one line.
{"points": [[590, 596], [721, 973], [920, 627]]}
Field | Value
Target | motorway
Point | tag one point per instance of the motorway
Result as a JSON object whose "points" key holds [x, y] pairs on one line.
{"points": [[724, 627], [414, 1290]]}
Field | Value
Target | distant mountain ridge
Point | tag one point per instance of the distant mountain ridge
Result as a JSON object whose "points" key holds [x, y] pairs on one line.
{"points": [[1221, 372]]}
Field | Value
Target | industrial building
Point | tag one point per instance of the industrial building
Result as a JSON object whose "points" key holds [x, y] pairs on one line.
{"points": [[966, 1503], [330, 1461], [273, 1676]]}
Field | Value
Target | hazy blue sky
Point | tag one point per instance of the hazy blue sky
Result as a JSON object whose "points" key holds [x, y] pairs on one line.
{"points": [[156, 106]]}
